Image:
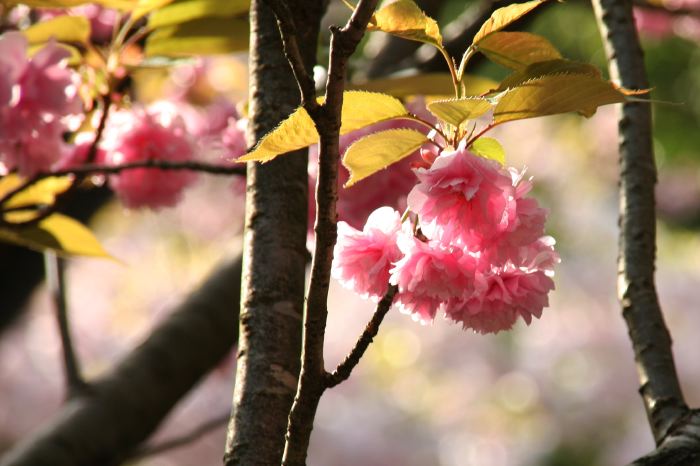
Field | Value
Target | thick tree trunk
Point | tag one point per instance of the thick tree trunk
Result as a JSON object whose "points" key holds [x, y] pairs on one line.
{"points": [[120, 411], [275, 254], [650, 338]]}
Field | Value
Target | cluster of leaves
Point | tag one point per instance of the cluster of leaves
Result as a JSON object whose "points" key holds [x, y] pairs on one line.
{"points": [[541, 83]]}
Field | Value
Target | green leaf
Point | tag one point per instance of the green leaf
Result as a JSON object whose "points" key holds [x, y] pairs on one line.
{"points": [[545, 68], [517, 50], [143, 7], [206, 36], [187, 10], [457, 111], [490, 149], [505, 16], [377, 151], [61, 28], [428, 84], [360, 109], [405, 19], [57, 233], [549, 95]]}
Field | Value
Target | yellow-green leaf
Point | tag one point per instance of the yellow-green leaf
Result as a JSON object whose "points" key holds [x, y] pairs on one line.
{"points": [[505, 16], [489, 148], [377, 151], [61, 28], [187, 10], [428, 84], [205, 36], [360, 109], [457, 111], [57, 233], [551, 67], [42, 193], [517, 50], [143, 7], [405, 19], [554, 94]]}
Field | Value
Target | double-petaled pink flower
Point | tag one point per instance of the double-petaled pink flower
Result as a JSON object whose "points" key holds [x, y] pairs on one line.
{"points": [[479, 255]]}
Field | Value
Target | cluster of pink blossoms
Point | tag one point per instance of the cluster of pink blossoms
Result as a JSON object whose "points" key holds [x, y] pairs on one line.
{"points": [[476, 253], [153, 133], [39, 102]]}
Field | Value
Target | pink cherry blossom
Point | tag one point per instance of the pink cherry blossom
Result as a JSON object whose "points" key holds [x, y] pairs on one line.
{"points": [[143, 134], [428, 275], [362, 259], [463, 197], [40, 104], [500, 298]]}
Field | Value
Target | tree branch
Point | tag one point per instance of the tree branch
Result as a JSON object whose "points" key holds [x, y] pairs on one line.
{"points": [[123, 408], [180, 441], [650, 338], [344, 369], [55, 279], [275, 246], [327, 120]]}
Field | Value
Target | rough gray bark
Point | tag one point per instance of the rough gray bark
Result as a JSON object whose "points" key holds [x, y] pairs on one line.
{"points": [[121, 410], [275, 254], [650, 338]]}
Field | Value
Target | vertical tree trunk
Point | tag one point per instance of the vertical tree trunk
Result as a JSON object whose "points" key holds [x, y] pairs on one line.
{"points": [[275, 254], [650, 338]]}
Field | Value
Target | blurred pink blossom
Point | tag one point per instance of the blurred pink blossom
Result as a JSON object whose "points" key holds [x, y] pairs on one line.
{"points": [[148, 134], [39, 103]]}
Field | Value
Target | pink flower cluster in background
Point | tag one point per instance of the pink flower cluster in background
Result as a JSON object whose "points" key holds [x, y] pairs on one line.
{"points": [[153, 133], [476, 253], [39, 102]]}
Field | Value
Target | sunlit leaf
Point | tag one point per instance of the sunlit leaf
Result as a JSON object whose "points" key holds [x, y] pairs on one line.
{"points": [[61, 28], [377, 151], [517, 50], [57, 233], [41, 193], [405, 19], [187, 10], [206, 36], [551, 67], [457, 111], [144, 7], [505, 16], [489, 148], [360, 109], [554, 94]]}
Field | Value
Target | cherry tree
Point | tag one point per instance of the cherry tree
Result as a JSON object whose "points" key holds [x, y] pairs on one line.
{"points": [[409, 202]]}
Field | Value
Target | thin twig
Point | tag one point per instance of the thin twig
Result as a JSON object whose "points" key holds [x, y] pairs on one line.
{"points": [[289, 35], [55, 279], [181, 440], [326, 117], [82, 171], [344, 369]]}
